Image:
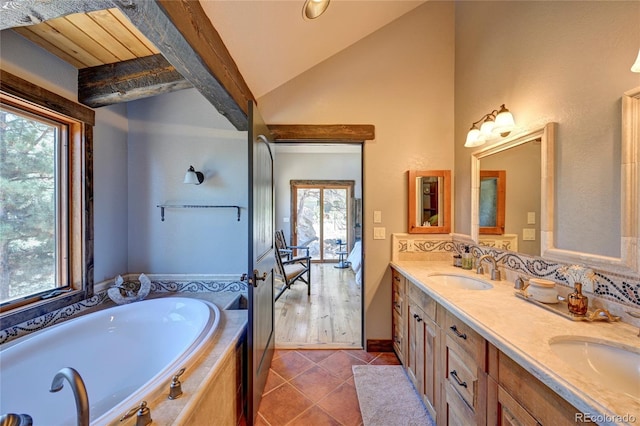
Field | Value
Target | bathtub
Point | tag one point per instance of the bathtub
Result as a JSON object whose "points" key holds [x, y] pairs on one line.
{"points": [[124, 354]]}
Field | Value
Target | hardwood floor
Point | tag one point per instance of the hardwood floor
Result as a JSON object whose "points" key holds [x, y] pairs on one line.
{"points": [[329, 318]]}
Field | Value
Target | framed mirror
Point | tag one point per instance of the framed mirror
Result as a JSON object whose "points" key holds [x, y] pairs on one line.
{"points": [[523, 211], [629, 260], [492, 201], [429, 201]]}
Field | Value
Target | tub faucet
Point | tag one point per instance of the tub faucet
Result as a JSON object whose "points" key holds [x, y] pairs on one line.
{"points": [[79, 392], [12, 419], [495, 273]]}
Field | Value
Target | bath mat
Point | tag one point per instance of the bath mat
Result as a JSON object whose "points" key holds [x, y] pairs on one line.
{"points": [[387, 397]]}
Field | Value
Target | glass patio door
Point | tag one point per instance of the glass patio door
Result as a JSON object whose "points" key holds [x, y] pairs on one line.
{"points": [[321, 219]]}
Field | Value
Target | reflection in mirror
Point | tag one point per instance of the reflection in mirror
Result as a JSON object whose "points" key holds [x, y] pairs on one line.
{"points": [[492, 198], [526, 206], [429, 202]]}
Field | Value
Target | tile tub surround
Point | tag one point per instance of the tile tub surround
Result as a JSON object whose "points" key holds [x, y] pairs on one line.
{"points": [[615, 292], [225, 286], [522, 331]]}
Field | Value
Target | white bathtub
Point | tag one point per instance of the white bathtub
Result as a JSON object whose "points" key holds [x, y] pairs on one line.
{"points": [[124, 354]]}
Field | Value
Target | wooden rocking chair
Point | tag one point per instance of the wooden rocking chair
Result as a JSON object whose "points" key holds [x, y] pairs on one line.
{"points": [[292, 268]]}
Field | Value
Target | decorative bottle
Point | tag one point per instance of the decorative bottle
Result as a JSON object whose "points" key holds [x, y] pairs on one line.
{"points": [[577, 302], [467, 259]]}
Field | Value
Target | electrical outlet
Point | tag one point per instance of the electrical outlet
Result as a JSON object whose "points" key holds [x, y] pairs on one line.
{"points": [[285, 220], [379, 233], [410, 246]]}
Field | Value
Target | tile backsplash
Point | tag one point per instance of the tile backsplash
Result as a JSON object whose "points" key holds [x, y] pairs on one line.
{"points": [[610, 288]]}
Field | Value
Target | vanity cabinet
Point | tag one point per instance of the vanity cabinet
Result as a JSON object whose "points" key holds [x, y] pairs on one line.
{"points": [[399, 310], [422, 355], [463, 375]]}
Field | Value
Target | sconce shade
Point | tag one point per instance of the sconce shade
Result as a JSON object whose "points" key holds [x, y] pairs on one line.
{"points": [[474, 138], [314, 8], [504, 122], [487, 125], [636, 65], [193, 177]]}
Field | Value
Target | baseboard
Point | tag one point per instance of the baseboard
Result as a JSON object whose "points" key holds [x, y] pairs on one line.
{"points": [[385, 345]]}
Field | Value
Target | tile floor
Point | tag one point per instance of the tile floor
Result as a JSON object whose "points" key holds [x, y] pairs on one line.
{"points": [[315, 387]]}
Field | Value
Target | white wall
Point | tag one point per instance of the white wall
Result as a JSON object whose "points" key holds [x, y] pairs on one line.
{"points": [[311, 166], [34, 64], [399, 79], [566, 62], [167, 134]]}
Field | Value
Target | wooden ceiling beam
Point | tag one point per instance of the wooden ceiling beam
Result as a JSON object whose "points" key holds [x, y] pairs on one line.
{"points": [[180, 30], [22, 13], [322, 132], [128, 80], [183, 33]]}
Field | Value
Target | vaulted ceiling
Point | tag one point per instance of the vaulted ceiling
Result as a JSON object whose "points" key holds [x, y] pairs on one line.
{"points": [[232, 51]]}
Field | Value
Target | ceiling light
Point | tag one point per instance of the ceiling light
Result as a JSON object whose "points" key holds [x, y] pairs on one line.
{"points": [[636, 66], [499, 121], [314, 8]]}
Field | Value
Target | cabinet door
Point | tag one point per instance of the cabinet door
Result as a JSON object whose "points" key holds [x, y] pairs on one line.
{"points": [[399, 311], [415, 355], [431, 374]]}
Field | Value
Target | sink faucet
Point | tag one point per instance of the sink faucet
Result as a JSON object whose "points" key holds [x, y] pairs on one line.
{"points": [[495, 273], [79, 392]]}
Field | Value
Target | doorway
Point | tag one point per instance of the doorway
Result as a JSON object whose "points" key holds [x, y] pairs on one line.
{"points": [[318, 200], [322, 219]]}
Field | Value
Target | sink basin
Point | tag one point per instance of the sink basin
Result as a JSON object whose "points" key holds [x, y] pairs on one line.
{"points": [[460, 281], [606, 363]]}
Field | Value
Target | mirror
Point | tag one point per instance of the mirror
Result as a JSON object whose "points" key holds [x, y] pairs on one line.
{"points": [[629, 260], [512, 214], [492, 201], [429, 202]]}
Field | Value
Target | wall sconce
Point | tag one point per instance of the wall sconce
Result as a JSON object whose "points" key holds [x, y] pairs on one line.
{"points": [[636, 65], [193, 177], [314, 8], [496, 122]]}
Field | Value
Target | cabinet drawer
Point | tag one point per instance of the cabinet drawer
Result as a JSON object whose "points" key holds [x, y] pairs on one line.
{"points": [[457, 412], [461, 376], [425, 302], [469, 340]]}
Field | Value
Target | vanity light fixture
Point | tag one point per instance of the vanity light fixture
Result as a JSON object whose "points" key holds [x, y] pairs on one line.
{"points": [[193, 177], [636, 65], [314, 8], [499, 121]]}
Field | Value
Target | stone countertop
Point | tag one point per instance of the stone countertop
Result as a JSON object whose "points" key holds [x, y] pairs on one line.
{"points": [[522, 331]]}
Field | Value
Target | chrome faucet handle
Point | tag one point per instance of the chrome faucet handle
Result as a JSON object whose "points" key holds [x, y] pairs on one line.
{"points": [[479, 269], [635, 315], [495, 274], [143, 416], [11, 419]]}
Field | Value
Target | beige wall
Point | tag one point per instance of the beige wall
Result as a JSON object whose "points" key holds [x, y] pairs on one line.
{"points": [[566, 62], [399, 79]]}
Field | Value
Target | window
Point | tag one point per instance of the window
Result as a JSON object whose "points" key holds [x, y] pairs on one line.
{"points": [[33, 214], [45, 203]]}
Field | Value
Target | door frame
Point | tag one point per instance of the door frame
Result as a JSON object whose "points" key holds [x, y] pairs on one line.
{"points": [[349, 185]]}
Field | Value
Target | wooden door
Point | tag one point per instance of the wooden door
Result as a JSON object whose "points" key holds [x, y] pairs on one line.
{"points": [[260, 329]]}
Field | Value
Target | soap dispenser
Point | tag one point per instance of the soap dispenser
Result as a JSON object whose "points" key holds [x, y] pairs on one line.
{"points": [[467, 259]]}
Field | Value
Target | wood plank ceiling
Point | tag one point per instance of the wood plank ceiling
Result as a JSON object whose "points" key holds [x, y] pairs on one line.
{"points": [[90, 39]]}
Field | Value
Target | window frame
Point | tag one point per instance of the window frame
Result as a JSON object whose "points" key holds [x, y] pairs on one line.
{"points": [[79, 121]]}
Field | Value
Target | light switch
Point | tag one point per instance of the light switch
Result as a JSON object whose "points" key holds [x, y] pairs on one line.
{"points": [[285, 219], [531, 218], [377, 216], [379, 233], [529, 234]]}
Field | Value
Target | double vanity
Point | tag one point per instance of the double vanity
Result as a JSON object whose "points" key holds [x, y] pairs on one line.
{"points": [[477, 354]]}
